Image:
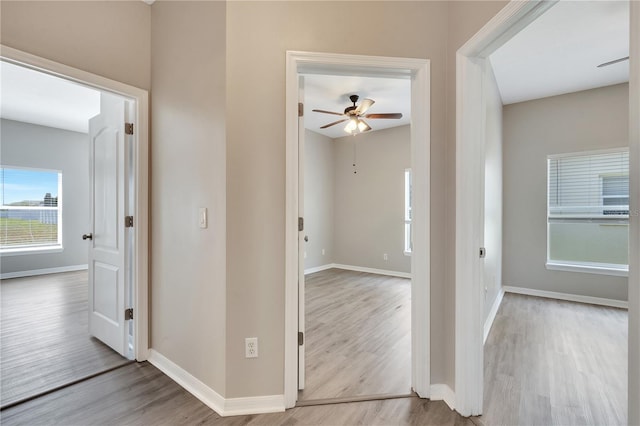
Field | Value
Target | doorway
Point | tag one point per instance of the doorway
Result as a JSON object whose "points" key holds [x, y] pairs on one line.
{"points": [[300, 63], [127, 283], [356, 197], [469, 292]]}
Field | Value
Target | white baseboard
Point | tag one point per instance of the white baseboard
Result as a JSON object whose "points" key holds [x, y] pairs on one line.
{"points": [[224, 407], [319, 268], [372, 270], [492, 314], [442, 392], [46, 271], [570, 297]]}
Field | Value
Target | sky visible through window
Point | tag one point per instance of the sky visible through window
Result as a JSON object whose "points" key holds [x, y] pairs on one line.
{"points": [[27, 185]]}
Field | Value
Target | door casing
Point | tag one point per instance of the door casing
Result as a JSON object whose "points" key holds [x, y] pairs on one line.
{"points": [[418, 70], [140, 258]]}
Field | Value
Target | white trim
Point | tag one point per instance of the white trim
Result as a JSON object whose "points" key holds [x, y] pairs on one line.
{"points": [[141, 208], [488, 323], [419, 72], [57, 248], [212, 399], [46, 271], [319, 268], [204, 393], [372, 270], [254, 405], [568, 297], [357, 269], [442, 392], [469, 294], [601, 269], [633, 417]]}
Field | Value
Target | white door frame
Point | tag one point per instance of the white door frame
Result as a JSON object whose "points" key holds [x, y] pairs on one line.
{"points": [[141, 209], [470, 60], [419, 71]]}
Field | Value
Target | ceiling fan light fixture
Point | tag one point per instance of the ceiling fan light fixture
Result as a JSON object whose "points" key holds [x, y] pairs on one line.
{"points": [[362, 126], [351, 126]]}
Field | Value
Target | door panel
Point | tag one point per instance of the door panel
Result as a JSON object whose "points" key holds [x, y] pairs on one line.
{"points": [[107, 158]]}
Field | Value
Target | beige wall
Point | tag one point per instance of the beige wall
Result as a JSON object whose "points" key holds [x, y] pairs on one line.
{"points": [[492, 191], [188, 172], [106, 38], [318, 199], [589, 120], [369, 205], [256, 154]]}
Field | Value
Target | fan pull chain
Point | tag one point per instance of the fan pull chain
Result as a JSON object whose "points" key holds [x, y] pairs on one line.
{"points": [[354, 155]]}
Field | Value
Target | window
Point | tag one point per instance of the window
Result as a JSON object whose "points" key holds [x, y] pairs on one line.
{"points": [[588, 212], [30, 216], [407, 212]]}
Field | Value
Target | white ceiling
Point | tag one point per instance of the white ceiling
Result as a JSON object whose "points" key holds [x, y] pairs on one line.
{"points": [[559, 52], [38, 98], [331, 93]]}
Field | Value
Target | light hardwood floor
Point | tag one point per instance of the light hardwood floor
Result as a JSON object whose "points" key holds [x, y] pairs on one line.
{"points": [[358, 335], [44, 336], [139, 394], [551, 362]]}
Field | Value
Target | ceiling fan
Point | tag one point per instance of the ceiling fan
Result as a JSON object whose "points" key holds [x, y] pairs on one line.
{"points": [[615, 61], [354, 114]]}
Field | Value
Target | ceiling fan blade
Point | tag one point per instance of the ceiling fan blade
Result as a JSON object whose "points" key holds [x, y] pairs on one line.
{"points": [[364, 106], [386, 115], [366, 126], [334, 123], [604, 64], [327, 112]]}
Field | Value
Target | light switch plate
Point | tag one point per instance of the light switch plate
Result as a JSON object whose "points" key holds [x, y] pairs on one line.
{"points": [[202, 217]]}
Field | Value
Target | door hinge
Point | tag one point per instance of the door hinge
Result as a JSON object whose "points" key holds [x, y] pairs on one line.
{"points": [[128, 128], [128, 314], [300, 338], [483, 252], [300, 224], [300, 109], [128, 221]]}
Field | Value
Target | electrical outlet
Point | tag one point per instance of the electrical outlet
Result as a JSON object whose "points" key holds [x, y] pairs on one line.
{"points": [[251, 347], [323, 252], [385, 256]]}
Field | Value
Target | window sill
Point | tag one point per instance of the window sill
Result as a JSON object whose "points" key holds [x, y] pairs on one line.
{"points": [[594, 268], [31, 250]]}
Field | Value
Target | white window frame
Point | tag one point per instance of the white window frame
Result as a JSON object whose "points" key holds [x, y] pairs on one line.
{"points": [[38, 248], [621, 219], [408, 242]]}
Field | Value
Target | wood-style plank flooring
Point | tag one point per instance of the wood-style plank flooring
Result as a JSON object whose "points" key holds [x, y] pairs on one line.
{"points": [[44, 335], [139, 394], [552, 362], [358, 335]]}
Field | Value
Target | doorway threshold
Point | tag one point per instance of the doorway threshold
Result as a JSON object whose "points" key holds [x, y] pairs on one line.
{"points": [[360, 398]]}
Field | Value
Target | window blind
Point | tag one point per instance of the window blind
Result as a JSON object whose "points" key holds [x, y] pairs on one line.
{"points": [[589, 186]]}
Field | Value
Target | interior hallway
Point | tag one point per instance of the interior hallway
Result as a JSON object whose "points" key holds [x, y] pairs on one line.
{"points": [[44, 336]]}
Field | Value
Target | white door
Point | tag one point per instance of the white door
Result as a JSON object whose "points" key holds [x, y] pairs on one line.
{"points": [[107, 249], [302, 238]]}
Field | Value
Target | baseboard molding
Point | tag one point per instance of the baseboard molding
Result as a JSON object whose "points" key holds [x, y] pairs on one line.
{"points": [[492, 315], [224, 407], [442, 392], [569, 297], [46, 271], [372, 270], [319, 268]]}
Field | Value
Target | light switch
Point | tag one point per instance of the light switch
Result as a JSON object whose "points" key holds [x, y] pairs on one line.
{"points": [[202, 215]]}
